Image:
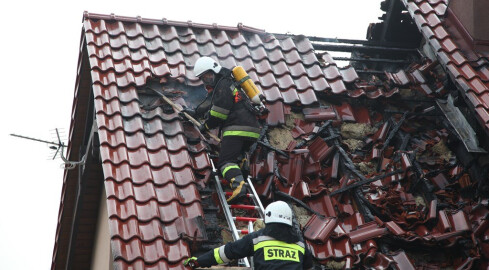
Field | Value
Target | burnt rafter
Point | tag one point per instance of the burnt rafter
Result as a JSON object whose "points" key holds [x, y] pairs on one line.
{"points": [[363, 42], [381, 60], [369, 56], [362, 48]]}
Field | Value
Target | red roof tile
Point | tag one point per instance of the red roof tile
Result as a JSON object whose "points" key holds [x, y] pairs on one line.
{"points": [[319, 229]]}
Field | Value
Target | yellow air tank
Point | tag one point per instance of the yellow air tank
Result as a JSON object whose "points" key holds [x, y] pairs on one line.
{"points": [[247, 84]]}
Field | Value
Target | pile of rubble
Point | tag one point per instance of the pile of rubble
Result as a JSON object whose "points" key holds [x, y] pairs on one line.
{"points": [[384, 183]]}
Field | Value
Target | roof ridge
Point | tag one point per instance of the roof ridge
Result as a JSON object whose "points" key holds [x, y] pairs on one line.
{"points": [[138, 19]]}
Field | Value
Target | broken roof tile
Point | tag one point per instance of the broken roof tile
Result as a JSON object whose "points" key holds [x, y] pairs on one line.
{"points": [[345, 112], [365, 232], [319, 229], [319, 114], [335, 249], [361, 114], [323, 205], [319, 150], [399, 78], [276, 115]]}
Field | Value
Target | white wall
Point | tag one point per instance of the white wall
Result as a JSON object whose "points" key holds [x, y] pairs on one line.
{"points": [[101, 256]]}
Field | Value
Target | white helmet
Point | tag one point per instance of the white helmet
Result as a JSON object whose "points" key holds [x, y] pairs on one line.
{"points": [[278, 212], [204, 64]]}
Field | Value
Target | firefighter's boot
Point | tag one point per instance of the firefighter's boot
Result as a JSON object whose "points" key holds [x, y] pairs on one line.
{"points": [[239, 190]]}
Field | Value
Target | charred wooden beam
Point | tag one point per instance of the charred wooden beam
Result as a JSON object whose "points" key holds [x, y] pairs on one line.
{"points": [[278, 151], [314, 136], [362, 48], [394, 131], [376, 60], [365, 181], [370, 72], [363, 42]]}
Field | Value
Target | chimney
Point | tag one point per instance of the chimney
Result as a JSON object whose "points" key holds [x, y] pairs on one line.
{"points": [[473, 14]]}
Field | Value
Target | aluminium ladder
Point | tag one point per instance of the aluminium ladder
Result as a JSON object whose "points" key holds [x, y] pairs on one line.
{"points": [[232, 219]]}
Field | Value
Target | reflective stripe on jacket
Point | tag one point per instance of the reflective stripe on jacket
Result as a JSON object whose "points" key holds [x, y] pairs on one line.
{"points": [[277, 250], [234, 117], [267, 252]]}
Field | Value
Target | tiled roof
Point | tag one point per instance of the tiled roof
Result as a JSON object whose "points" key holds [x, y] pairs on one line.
{"points": [[150, 179], [152, 173], [128, 51], [149, 168], [470, 68]]}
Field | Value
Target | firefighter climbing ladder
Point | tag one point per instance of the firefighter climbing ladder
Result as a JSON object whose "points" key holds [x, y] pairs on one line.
{"points": [[257, 205]]}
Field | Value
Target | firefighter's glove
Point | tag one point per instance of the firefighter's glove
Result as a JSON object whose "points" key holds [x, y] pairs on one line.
{"points": [[188, 111], [203, 128], [264, 110], [191, 262]]}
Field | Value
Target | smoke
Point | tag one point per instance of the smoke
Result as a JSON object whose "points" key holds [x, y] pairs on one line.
{"points": [[193, 95]]}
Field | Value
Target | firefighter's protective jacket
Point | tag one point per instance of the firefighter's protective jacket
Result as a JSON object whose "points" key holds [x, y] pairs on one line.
{"points": [[229, 110], [267, 253]]}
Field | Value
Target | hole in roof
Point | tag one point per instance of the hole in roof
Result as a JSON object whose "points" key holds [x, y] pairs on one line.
{"points": [[179, 93]]}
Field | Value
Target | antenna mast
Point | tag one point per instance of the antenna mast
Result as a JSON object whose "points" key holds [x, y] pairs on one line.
{"points": [[59, 147]]}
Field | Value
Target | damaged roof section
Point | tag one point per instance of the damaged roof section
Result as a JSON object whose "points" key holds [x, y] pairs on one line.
{"points": [[400, 180], [384, 166], [448, 39], [385, 183]]}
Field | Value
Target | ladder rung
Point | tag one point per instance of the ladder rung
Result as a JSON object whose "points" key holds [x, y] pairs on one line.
{"points": [[243, 231], [229, 193], [243, 206], [252, 219]]}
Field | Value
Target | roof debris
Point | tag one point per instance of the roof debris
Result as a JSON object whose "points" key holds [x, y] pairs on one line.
{"points": [[408, 191]]}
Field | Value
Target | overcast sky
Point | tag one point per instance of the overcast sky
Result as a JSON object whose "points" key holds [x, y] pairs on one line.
{"points": [[39, 46]]}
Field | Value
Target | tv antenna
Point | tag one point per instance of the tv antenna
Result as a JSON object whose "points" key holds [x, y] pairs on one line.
{"points": [[59, 150]]}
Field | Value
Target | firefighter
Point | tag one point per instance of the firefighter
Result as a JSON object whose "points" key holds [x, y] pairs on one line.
{"points": [[228, 109], [277, 246]]}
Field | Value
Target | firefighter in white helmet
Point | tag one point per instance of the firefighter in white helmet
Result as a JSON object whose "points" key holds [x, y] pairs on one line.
{"points": [[277, 246], [226, 107]]}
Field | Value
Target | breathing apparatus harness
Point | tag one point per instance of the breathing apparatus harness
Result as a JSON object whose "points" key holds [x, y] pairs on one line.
{"points": [[244, 86]]}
